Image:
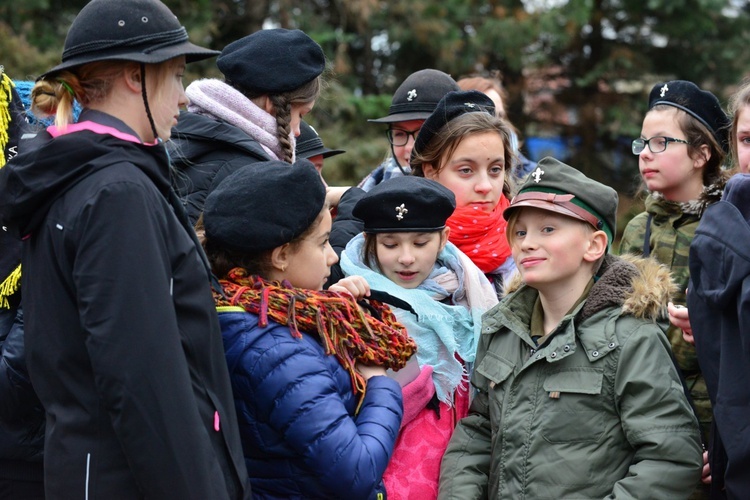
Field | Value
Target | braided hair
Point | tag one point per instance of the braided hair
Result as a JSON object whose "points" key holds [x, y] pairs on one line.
{"points": [[282, 109]]}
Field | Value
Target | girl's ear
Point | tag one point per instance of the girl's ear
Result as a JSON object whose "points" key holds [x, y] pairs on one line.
{"points": [[429, 171], [280, 257], [133, 77], [444, 237], [597, 247], [704, 154], [268, 105]]}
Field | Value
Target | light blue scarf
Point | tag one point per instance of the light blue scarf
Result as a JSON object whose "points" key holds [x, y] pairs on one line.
{"points": [[440, 330]]}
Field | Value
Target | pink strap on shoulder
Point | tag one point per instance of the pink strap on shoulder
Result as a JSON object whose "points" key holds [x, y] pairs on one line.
{"points": [[97, 128]]}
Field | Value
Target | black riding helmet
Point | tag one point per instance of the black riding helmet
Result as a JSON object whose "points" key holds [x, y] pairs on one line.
{"points": [[143, 31]]}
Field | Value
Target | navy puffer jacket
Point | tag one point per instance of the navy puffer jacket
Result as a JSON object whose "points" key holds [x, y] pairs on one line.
{"points": [[296, 408]]}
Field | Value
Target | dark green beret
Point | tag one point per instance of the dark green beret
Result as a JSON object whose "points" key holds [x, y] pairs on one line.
{"points": [[560, 188]]}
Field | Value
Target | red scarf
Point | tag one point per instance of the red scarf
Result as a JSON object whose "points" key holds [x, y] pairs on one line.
{"points": [[481, 235]]}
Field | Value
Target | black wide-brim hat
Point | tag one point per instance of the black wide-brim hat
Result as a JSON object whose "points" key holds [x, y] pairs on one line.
{"points": [[418, 96], [310, 144], [143, 31]]}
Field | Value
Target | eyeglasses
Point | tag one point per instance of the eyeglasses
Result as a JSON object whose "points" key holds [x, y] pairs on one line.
{"points": [[398, 137], [656, 144]]}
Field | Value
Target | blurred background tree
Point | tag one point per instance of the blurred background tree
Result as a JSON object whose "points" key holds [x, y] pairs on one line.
{"points": [[577, 71]]}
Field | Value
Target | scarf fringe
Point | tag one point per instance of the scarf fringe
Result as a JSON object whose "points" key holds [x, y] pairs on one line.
{"points": [[10, 285], [6, 84], [344, 328]]}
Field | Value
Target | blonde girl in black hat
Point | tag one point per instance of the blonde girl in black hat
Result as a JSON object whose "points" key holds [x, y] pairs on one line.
{"points": [[272, 79], [318, 416], [440, 296], [123, 342], [681, 157]]}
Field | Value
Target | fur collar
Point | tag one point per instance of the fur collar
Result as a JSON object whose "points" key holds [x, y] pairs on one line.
{"points": [[641, 287]]}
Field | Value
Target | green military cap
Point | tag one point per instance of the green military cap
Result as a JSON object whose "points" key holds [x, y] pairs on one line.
{"points": [[560, 188]]}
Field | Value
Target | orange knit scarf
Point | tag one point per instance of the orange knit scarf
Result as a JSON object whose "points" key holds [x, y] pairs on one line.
{"points": [[344, 328]]}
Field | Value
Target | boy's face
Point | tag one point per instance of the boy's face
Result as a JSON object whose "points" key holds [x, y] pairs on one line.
{"points": [[407, 259], [551, 250]]}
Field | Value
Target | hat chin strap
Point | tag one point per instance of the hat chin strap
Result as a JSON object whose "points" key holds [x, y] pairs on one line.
{"points": [[145, 102], [398, 163]]}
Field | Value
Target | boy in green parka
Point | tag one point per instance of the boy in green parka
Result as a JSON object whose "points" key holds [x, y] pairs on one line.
{"points": [[577, 395]]}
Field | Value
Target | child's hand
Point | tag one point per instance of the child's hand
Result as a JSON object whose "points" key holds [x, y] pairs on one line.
{"points": [[679, 317], [706, 475], [334, 194], [369, 371], [356, 286]]}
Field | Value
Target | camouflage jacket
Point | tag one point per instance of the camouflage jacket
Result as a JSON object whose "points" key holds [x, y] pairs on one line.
{"points": [[673, 227]]}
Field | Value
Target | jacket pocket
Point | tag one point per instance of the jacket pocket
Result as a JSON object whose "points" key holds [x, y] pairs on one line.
{"points": [[573, 410], [492, 370]]}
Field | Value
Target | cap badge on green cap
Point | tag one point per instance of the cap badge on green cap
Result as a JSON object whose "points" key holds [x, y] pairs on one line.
{"points": [[664, 90], [401, 211], [537, 174], [411, 95]]}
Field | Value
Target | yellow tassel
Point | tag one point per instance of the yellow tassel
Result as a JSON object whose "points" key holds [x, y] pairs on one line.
{"points": [[5, 96], [10, 286]]}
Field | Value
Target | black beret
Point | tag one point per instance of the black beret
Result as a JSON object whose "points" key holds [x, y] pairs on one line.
{"points": [[560, 188], [700, 104], [450, 107], [405, 204], [272, 61], [310, 144], [418, 96], [144, 31], [263, 205]]}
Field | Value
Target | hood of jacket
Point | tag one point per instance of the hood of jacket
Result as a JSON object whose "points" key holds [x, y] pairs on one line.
{"points": [[720, 251], [196, 136], [48, 167], [638, 286]]}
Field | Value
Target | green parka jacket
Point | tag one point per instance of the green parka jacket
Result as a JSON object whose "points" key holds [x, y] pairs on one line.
{"points": [[598, 411]]}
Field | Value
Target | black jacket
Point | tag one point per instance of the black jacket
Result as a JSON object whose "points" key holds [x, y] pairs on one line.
{"points": [[345, 227], [122, 338], [21, 412], [719, 303], [203, 151]]}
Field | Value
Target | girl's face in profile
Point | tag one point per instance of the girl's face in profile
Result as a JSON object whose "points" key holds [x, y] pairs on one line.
{"points": [[170, 96], [407, 259], [672, 172], [475, 172], [743, 138], [310, 265], [299, 110]]}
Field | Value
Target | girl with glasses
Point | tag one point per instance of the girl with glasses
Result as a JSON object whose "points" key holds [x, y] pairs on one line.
{"points": [[684, 142], [412, 103]]}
